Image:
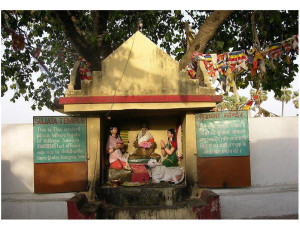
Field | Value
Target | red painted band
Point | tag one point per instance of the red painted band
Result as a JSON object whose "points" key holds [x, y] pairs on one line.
{"points": [[140, 99]]}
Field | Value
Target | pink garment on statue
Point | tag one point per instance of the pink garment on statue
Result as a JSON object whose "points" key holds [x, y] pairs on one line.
{"points": [[146, 144], [117, 154]]}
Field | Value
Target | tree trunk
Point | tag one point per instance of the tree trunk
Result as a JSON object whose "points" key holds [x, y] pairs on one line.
{"points": [[259, 110], [205, 34], [282, 108], [88, 51]]}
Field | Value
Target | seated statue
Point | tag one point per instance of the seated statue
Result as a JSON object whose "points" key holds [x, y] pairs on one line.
{"points": [[114, 148], [145, 145]]}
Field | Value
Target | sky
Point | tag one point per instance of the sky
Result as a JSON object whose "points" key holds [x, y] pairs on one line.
{"points": [[20, 112]]}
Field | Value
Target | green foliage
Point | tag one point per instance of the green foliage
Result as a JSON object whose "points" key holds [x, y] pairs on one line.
{"points": [[286, 95], [262, 96], [295, 98], [19, 66], [231, 103], [165, 28]]}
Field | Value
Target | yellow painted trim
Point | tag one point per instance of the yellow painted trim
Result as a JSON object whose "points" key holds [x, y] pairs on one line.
{"points": [[124, 106], [93, 154], [190, 148]]}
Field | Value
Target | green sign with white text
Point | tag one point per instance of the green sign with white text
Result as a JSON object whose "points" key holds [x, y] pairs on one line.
{"points": [[59, 139], [221, 134]]}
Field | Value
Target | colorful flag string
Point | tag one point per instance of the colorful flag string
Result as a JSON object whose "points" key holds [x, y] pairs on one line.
{"points": [[223, 67]]}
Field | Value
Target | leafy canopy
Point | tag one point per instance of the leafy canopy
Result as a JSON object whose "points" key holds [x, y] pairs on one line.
{"points": [[64, 35]]}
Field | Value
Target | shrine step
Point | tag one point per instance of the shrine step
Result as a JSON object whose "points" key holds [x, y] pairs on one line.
{"points": [[206, 206], [147, 195], [80, 208]]}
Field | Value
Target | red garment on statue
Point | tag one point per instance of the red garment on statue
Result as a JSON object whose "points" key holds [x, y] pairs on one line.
{"points": [[118, 164]]}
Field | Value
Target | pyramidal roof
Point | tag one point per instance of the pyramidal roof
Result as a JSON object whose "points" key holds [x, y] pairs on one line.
{"points": [[135, 44]]}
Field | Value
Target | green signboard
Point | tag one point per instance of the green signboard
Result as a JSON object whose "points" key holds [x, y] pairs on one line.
{"points": [[221, 134], [59, 139]]}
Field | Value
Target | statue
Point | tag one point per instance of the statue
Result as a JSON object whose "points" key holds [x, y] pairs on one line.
{"points": [[145, 145], [114, 148], [161, 173], [170, 149]]}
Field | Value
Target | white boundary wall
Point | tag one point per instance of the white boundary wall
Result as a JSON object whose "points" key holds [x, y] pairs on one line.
{"points": [[274, 175], [274, 150], [18, 200], [274, 172]]}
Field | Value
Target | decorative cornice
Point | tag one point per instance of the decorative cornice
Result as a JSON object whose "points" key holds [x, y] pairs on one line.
{"points": [[140, 99]]}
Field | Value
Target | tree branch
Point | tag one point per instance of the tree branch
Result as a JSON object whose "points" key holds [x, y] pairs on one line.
{"points": [[205, 34], [100, 21], [192, 17], [74, 20], [77, 39], [255, 36], [78, 42]]}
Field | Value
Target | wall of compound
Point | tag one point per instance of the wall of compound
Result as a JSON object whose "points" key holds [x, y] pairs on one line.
{"points": [[274, 175]]}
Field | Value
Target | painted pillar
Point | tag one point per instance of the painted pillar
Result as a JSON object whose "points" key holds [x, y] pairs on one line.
{"points": [[93, 151], [190, 150]]}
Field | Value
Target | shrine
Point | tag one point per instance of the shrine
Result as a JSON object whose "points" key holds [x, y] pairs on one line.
{"points": [[143, 132], [141, 97]]}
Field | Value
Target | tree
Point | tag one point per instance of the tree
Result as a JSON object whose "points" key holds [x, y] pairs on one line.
{"points": [[64, 35], [296, 99], [286, 96], [231, 103]]}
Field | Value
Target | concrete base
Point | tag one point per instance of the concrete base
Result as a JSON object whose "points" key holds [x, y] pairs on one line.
{"points": [[157, 201], [157, 212], [266, 202], [149, 194]]}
